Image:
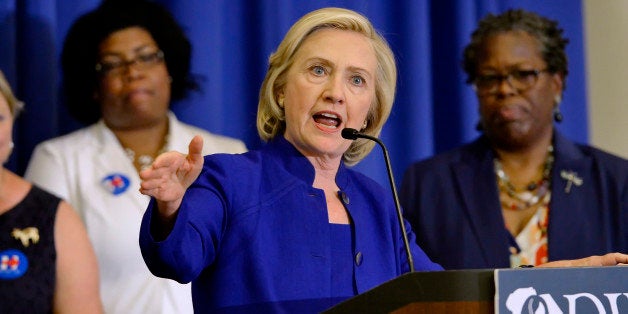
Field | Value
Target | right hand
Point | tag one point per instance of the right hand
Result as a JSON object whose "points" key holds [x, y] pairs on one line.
{"points": [[609, 259], [170, 175]]}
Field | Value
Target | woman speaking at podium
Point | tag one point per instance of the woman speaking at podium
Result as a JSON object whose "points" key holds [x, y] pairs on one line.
{"points": [[288, 227]]}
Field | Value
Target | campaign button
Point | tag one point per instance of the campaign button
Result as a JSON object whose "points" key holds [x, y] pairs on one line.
{"points": [[115, 183], [13, 264]]}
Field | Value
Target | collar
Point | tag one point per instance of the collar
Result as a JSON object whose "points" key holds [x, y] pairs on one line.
{"points": [[565, 151], [296, 164], [105, 135]]}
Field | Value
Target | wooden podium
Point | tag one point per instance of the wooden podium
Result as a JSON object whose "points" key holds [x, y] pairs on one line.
{"points": [[548, 290], [463, 291]]}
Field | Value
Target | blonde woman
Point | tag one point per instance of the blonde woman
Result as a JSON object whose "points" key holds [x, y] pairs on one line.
{"points": [[47, 262], [288, 227]]}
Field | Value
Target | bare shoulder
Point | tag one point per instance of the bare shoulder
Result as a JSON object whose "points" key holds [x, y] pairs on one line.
{"points": [[67, 218], [77, 267]]}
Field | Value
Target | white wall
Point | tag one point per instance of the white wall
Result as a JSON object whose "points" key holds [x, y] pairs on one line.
{"points": [[606, 38]]}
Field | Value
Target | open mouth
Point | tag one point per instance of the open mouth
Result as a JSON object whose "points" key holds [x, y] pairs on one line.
{"points": [[327, 120]]}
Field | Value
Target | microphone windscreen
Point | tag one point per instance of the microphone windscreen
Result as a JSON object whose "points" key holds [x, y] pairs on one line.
{"points": [[349, 133]]}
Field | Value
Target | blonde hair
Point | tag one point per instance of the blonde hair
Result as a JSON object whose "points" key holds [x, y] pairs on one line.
{"points": [[271, 117], [15, 106]]}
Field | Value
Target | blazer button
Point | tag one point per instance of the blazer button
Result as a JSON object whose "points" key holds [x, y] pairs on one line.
{"points": [[358, 258], [344, 198]]}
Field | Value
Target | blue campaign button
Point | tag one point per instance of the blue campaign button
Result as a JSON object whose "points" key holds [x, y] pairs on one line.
{"points": [[115, 183], [13, 264]]}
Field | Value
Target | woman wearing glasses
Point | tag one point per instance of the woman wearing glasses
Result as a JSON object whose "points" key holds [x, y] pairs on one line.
{"points": [[521, 194], [123, 63]]}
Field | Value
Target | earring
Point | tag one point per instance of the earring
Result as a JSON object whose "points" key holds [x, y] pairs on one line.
{"points": [[11, 145], [280, 102], [558, 116], [365, 125]]}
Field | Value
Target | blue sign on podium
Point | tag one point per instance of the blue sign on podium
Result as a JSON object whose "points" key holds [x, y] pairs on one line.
{"points": [[562, 290]]}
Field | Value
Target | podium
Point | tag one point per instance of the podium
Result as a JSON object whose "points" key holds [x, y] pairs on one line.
{"points": [[547, 290], [453, 291]]}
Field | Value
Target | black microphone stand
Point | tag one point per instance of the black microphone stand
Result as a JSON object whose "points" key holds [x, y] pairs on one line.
{"points": [[352, 134]]}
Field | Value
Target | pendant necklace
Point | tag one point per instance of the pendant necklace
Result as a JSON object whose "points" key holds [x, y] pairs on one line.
{"points": [[534, 192]]}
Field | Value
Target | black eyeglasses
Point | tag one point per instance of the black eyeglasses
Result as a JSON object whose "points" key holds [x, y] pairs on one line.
{"points": [[142, 62], [521, 80]]}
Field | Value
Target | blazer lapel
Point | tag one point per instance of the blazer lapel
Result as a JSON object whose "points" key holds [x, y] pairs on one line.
{"points": [[475, 179], [573, 188]]}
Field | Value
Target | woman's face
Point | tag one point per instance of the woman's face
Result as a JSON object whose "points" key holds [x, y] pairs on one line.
{"points": [[329, 87], [132, 95], [6, 129], [515, 118]]}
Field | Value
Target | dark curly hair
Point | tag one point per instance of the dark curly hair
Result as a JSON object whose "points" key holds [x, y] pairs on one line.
{"points": [[546, 31], [81, 51]]}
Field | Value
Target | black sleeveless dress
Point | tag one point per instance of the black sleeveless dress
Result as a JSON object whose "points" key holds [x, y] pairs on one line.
{"points": [[27, 254]]}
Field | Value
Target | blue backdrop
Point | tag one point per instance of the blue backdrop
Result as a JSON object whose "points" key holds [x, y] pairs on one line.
{"points": [[232, 40]]}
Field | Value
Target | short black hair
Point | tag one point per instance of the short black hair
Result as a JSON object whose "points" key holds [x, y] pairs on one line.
{"points": [[81, 51], [546, 31]]}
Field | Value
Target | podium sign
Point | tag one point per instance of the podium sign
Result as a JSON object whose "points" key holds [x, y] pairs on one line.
{"points": [[562, 290]]}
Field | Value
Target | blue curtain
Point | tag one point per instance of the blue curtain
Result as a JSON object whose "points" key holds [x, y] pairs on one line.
{"points": [[232, 39]]}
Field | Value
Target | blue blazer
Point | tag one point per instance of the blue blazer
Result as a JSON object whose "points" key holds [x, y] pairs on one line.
{"points": [[452, 202], [253, 235]]}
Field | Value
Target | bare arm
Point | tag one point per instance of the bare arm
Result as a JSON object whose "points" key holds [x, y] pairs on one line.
{"points": [[610, 259], [77, 268], [167, 180]]}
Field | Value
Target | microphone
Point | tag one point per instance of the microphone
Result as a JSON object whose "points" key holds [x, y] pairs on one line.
{"points": [[353, 134]]}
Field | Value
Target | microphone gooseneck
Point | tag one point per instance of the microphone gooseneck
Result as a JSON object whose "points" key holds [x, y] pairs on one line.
{"points": [[353, 134]]}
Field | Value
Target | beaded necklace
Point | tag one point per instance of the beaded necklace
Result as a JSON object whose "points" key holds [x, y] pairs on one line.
{"points": [[534, 192], [144, 161]]}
